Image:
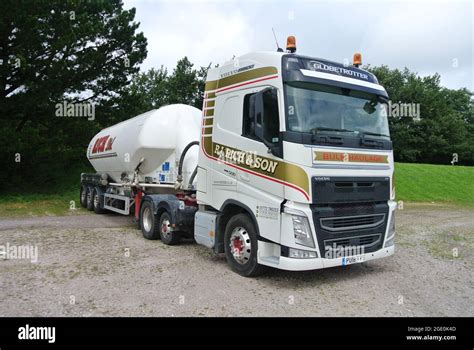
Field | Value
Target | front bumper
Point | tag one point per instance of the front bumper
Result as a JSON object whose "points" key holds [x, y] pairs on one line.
{"points": [[314, 264], [270, 253]]}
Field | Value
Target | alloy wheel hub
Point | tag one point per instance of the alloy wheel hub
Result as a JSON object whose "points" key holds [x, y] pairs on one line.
{"points": [[240, 245]]}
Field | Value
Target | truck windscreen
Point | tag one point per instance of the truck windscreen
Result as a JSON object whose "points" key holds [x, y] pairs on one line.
{"points": [[321, 109]]}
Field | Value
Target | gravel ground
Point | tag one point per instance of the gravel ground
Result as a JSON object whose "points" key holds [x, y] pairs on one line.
{"points": [[91, 265]]}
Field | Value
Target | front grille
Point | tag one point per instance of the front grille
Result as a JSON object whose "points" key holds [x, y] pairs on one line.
{"points": [[361, 241], [350, 225], [352, 222], [337, 189], [352, 245], [350, 209]]}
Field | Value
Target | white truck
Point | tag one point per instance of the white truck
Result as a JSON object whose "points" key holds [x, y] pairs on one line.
{"points": [[289, 165]]}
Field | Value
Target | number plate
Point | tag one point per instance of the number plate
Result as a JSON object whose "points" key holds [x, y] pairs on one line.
{"points": [[352, 259]]}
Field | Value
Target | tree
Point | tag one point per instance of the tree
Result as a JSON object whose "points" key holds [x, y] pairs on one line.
{"points": [[156, 88], [446, 121], [145, 92], [186, 85], [54, 52]]}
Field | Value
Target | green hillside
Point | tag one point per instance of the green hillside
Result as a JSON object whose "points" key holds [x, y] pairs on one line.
{"points": [[434, 183], [414, 183]]}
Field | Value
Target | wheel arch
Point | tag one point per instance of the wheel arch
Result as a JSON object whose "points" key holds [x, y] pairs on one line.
{"points": [[162, 203], [230, 208]]}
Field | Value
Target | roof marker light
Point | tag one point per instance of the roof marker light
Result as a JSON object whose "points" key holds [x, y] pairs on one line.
{"points": [[357, 60], [291, 44]]}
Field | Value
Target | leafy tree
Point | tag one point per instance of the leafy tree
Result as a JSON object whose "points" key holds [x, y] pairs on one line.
{"points": [[446, 120], [156, 88], [53, 52], [145, 92], [186, 85]]}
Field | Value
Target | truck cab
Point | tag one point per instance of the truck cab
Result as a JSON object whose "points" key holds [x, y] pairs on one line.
{"points": [[295, 166]]}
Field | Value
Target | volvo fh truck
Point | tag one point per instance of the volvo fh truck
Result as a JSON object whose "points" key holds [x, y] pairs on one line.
{"points": [[289, 165]]}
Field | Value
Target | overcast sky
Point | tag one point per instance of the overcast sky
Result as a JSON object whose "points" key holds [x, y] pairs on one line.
{"points": [[426, 37]]}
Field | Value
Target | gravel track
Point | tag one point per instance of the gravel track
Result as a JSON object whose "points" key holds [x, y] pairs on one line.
{"points": [[91, 265]]}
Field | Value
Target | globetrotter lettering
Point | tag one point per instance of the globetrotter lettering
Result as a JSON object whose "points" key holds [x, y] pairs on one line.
{"points": [[245, 158], [339, 70]]}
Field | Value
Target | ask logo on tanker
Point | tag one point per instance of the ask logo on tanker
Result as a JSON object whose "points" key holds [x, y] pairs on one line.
{"points": [[103, 144]]}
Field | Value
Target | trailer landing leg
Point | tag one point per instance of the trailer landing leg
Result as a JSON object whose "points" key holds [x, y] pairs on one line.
{"points": [[138, 199]]}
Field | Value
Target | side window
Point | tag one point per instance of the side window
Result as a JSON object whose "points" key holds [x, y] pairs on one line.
{"points": [[248, 127], [269, 121]]}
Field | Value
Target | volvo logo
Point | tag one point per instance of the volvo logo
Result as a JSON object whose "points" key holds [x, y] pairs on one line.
{"points": [[322, 178]]}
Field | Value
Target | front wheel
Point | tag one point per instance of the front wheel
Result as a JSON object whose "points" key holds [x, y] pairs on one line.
{"points": [[241, 246]]}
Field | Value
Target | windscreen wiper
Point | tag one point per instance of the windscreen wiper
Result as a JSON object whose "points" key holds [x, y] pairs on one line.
{"points": [[327, 138], [363, 133], [370, 142], [315, 130]]}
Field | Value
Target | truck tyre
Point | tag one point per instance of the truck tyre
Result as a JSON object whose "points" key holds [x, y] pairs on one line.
{"points": [[89, 199], [168, 236], [241, 245], [148, 222], [96, 202], [83, 196]]}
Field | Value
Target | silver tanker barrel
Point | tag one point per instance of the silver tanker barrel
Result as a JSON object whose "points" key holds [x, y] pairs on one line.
{"points": [[158, 136]]}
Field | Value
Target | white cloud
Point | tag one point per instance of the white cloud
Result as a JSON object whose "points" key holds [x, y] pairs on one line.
{"points": [[424, 36], [204, 32]]}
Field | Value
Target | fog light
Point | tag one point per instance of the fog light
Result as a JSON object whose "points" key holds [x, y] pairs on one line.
{"points": [[301, 254]]}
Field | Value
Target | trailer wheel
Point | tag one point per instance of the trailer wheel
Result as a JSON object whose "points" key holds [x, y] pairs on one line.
{"points": [[96, 201], [148, 222], [89, 199], [240, 243], [83, 197], [168, 236]]}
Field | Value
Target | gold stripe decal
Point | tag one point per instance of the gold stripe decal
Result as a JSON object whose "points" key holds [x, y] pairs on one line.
{"points": [[208, 122], [273, 168], [349, 157], [241, 77], [209, 112], [210, 104]]}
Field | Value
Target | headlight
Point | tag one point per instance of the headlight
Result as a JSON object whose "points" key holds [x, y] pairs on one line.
{"points": [[391, 231], [301, 228]]}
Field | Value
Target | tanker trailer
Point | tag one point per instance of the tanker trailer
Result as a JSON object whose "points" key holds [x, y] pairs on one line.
{"points": [[282, 180], [141, 156]]}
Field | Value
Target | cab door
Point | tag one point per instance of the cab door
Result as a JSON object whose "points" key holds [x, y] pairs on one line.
{"points": [[258, 183]]}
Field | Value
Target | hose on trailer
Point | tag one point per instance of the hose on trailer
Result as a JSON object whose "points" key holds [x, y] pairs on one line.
{"points": [[193, 175], [179, 178]]}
